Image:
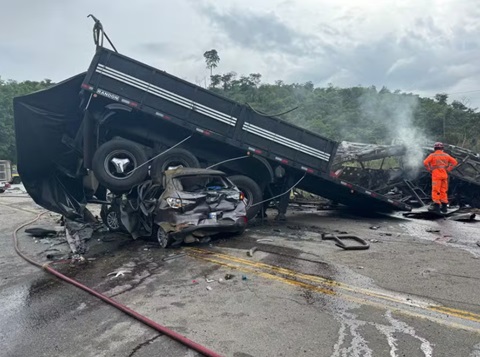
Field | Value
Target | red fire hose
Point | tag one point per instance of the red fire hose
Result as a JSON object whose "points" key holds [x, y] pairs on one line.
{"points": [[164, 330]]}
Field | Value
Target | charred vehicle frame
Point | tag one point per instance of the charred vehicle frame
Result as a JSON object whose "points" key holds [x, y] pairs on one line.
{"points": [[366, 165]]}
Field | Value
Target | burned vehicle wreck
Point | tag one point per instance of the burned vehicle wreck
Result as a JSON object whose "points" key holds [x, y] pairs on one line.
{"points": [[190, 205], [388, 170]]}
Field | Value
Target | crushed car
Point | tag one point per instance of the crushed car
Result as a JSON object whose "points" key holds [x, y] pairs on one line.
{"points": [[189, 205]]}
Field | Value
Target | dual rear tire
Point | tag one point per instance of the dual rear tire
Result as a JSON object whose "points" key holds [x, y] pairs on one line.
{"points": [[119, 165]]}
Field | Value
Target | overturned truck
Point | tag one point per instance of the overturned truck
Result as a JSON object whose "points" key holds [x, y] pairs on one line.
{"points": [[123, 123]]}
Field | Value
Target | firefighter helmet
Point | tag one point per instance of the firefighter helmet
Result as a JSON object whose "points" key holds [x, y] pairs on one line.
{"points": [[438, 146]]}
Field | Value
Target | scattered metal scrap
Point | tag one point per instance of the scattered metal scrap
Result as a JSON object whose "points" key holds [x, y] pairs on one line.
{"points": [[463, 217], [119, 273], [41, 232], [455, 214], [339, 241]]}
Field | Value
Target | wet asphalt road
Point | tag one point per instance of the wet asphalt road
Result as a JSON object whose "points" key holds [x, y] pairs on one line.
{"points": [[413, 293], [41, 316]]}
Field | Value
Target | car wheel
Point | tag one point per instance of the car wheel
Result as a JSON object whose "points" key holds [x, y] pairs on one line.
{"points": [[175, 157], [117, 165], [162, 237], [113, 221], [251, 190], [111, 218]]}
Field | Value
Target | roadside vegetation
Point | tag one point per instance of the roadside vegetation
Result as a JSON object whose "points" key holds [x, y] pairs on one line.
{"points": [[362, 114]]}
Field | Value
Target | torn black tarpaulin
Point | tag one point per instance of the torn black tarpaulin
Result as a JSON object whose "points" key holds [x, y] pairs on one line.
{"points": [[46, 164]]}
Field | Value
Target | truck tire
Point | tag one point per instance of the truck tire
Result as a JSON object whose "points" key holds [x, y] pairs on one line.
{"points": [[175, 157], [118, 176], [251, 190]]}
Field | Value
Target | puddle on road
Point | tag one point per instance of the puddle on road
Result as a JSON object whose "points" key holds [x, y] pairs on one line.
{"points": [[354, 335], [460, 235], [29, 307], [352, 339]]}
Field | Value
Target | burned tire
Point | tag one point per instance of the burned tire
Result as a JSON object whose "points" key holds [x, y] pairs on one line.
{"points": [[251, 190], [175, 157], [117, 165]]}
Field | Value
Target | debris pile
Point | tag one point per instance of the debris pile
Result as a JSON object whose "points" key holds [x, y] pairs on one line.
{"points": [[384, 170]]}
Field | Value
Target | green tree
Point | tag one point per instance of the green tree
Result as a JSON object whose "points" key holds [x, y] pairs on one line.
{"points": [[215, 80], [8, 90], [211, 59], [362, 114]]}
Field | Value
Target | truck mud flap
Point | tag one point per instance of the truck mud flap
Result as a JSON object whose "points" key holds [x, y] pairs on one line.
{"points": [[339, 241]]}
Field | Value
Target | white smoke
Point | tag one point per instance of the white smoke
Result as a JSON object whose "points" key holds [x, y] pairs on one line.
{"points": [[395, 112]]}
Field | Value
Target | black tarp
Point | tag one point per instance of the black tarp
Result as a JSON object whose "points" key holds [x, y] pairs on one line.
{"points": [[46, 165]]}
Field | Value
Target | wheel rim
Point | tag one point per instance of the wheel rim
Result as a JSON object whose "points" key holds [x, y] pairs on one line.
{"points": [[112, 220], [120, 164], [162, 237]]}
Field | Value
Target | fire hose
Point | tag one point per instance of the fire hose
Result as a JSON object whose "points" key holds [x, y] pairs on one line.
{"points": [[145, 320]]}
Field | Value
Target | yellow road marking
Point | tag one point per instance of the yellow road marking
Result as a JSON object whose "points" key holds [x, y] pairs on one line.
{"points": [[314, 278], [240, 263], [455, 312], [307, 277], [270, 276]]}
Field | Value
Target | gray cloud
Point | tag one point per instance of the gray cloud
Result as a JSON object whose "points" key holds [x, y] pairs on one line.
{"points": [[261, 31], [424, 57], [422, 46]]}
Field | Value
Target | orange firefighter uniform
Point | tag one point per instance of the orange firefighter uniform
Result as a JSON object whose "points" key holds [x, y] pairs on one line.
{"points": [[440, 164]]}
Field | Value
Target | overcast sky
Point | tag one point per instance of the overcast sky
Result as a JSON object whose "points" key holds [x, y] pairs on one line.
{"points": [[420, 46]]}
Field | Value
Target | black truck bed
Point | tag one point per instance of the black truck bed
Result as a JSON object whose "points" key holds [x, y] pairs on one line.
{"points": [[166, 97]]}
